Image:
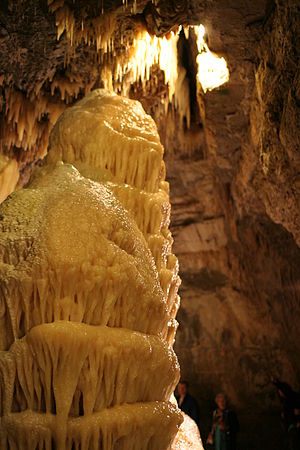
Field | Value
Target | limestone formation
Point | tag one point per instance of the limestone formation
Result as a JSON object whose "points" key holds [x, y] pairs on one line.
{"points": [[86, 317], [113, 136]]}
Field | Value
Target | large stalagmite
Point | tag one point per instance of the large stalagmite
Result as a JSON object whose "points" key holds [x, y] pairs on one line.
{"points": [[89, 289], [109, 137]]}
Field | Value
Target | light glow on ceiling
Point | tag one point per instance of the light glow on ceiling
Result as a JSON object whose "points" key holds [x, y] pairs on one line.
{"points": [[212, 70], [148, 50]]}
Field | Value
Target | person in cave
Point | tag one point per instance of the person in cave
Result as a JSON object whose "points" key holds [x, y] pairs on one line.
{"points": [[186, 402], [290, 414], [225, 426], [294, 430]]}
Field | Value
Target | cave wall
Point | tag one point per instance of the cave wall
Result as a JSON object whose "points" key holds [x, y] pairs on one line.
{"points": [[234, 174], [235, 220]]}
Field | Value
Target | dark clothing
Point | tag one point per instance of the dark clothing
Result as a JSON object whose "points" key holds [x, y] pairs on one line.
{"points": [[290, 401], [190, 407], [224, 430], [294, 431], [294, 438], [290, 416]]}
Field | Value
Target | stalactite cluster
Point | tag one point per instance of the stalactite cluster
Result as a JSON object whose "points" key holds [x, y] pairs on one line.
{"points": [[91, 46]]}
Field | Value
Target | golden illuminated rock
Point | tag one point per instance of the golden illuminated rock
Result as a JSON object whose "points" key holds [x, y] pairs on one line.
{"points": [[135, 427], [75, 351], [89, 291], [188, 436], [111, 138], [9, 175], [111, 133], [69, 251]]}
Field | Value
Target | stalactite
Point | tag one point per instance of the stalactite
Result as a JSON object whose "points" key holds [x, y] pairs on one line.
{"points": [[27, 119], [96, 31], [23, 124]]}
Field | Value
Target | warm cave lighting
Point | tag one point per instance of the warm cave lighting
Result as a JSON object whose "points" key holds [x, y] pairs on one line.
{"points": [[146, 51], [149, 50], [212, 70]]}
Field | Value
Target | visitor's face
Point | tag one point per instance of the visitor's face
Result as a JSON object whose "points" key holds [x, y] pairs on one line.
{"points": [[182, 389], [221, 402]]}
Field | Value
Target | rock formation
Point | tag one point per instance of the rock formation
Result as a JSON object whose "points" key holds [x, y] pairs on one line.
{"points": [[86, 313]]}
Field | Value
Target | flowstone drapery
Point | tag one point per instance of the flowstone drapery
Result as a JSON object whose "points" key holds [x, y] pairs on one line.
{"points": [[89, 289]]}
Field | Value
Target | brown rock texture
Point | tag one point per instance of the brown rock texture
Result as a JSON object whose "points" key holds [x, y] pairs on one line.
{"points": [[275, 118], [236, 220]]}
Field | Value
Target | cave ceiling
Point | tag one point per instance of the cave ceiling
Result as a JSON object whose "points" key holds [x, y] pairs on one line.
{"points": [[53, 66]]}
